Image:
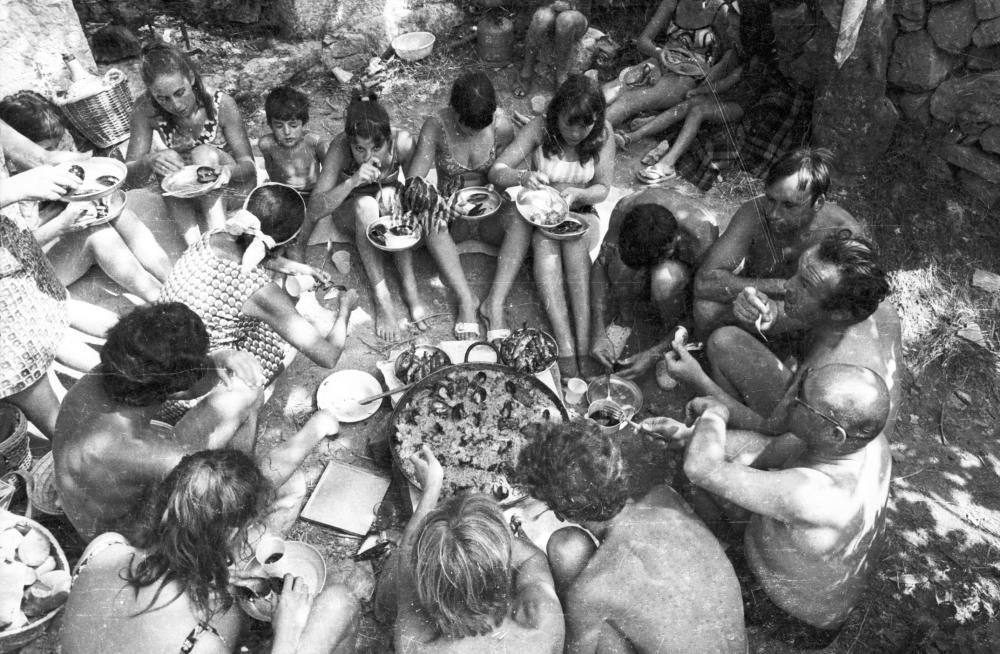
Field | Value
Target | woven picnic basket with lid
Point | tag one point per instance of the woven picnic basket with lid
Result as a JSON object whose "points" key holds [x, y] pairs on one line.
{"points": [[101, 113]]}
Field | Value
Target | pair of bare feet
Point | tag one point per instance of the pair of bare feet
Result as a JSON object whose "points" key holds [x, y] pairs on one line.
{"points": [[390, 322]]}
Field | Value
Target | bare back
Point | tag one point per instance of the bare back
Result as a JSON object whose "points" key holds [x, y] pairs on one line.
{"points": [[660, 581]]}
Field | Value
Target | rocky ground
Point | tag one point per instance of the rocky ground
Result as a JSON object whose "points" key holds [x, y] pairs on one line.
{"points": [[937, 588]]}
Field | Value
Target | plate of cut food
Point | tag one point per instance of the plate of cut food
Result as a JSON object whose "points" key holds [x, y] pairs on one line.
{"points": [[102, 210], [569, 229], [542, 207], [193, 181], [99, 176], [476, 202], [394, 234]]}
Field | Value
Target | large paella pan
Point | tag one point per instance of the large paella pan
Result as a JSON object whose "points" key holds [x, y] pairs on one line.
{"points": [[473, 417]]}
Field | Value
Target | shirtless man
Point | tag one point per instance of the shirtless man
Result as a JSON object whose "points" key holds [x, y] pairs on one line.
{"points": [[838, 294], [817, 496], [765, 238], [654, 243], [462, 582], [107, 454], [658, 581]]}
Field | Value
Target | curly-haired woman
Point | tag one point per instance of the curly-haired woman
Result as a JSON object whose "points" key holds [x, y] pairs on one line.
{"points": [[170, 590]]}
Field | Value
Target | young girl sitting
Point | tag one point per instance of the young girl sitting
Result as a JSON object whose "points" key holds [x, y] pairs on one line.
{"points": [[198, 127], [359, 183]]}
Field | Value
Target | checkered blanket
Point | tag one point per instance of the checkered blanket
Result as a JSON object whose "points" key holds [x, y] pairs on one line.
{"points": [[775, 125]]}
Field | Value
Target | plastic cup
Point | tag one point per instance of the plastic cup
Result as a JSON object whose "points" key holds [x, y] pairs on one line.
{"points": [[575, 388], [296, 285], [342, 261], [269, 552]]}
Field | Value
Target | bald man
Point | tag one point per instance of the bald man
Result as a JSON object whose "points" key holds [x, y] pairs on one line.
{"points": [[816, 496]]}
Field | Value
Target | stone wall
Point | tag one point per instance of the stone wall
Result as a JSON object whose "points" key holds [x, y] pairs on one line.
{"points": [[945, 72], [33, 37]]}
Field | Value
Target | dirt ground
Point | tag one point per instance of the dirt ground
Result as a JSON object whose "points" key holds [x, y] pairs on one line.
{"points": [[937, 588]]}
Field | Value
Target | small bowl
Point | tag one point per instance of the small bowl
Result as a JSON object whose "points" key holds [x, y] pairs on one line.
{"points": [[540, 367], [624, 393], [392, 242], [484, 196], [413, 46], [543, 207], [424, 351], [301, 560]]}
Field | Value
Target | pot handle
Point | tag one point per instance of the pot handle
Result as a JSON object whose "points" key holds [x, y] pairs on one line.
{"points": [[473, 346]]}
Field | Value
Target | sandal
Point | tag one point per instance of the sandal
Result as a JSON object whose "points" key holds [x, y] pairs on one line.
{"points": [[467, 331], [653, 176], [653, 156]]}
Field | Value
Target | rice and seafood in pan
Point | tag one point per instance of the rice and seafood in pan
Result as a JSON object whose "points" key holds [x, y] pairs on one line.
{"points": [[473, 419]]}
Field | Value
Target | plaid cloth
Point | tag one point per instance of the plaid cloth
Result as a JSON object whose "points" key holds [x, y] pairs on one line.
{"points": [[776, 124]]}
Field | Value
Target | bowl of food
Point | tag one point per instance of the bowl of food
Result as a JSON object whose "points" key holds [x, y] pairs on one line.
{"points": [[414, 364], [102, 210], [542, 207], [623, 392], [99, 176], [473, 417], [528, 350], [193, 181], [477, 202], [569, 229], [413, 46], [390, 234], [300, 560]]}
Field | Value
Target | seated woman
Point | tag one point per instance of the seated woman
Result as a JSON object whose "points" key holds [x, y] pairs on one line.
{"points": [[571, 149], [33, 314], [198, 127], [703, 29], [462, 141], [223, 279], [359, 183], [124, 248], [170, 591]]}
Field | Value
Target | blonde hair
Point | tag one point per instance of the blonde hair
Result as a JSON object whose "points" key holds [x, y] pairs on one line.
{"points": [[462, 566]]}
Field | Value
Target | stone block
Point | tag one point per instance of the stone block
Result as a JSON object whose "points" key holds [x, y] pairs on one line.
{"points": [[261, 74], [917, 64], [916, 107], [438, 17], [913, 10], [33, 37], [349, 51], [983, 58], [978, 189], [973, 159], [971, 98], [987, 9], [907, 25], [990, 139], [951, 25], [987, 33]]}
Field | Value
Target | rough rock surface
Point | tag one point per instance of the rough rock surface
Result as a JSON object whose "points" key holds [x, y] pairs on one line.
{"points": [[979, 189], [989, 140], [983, 58], [376, 20], [987, 33], [972, 99], [987, 9], [33, 37], [916, 107], [282, 63], [973, 159], [917, 64], [912, 10], [951, 25], [348, 50]]}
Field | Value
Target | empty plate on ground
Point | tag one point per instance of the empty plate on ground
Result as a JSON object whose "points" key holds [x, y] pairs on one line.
{"points": [[184, 183], [341, 394], [100, 176]]}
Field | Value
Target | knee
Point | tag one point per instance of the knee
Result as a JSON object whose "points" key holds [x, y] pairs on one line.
{"points": [[570, 24], [206, 155], [541, 20], [709, 315], [725, 340], [668, 280]]}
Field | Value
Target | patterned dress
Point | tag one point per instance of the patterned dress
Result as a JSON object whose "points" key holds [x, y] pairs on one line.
{"points": [[216, 289], [33, 314]]}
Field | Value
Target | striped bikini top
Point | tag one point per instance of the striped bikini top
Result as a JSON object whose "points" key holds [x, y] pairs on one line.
{"points": [[561, 171]]}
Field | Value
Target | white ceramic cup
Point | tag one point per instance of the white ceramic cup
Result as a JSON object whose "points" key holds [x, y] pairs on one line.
{"points": [[269, 552], [296, 285], [575, 388]]}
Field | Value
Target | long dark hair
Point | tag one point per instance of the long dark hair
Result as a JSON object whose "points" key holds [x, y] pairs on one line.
{"points": [[187, 527], [583, 103], [366, 118], [160, 58]]}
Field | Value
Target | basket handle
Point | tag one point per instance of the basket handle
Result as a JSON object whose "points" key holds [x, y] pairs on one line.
{"points": [[12, 477]]}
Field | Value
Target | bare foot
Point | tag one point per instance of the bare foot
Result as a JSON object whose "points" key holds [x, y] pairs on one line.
{"points": [[492, 316], [657, 153], [418, 315], [467, 311], [388, 325]]}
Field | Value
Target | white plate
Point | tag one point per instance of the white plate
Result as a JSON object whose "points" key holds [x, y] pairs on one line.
{"points": [[534, 205], [116, 204], [184, 183], [301, 560], [341, 392], [488, 197], [93, 168], [393, 243]]}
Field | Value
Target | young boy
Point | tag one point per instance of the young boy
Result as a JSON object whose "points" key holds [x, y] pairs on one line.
{"points": [[292, 155]]}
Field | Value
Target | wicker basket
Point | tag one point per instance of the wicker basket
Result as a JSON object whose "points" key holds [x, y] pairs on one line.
{"points": [[103, 118], [14, 452], [15, 639]]}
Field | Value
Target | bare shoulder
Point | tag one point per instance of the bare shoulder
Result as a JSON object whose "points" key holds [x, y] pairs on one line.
{"points": [[266, 143], [834, 217]]}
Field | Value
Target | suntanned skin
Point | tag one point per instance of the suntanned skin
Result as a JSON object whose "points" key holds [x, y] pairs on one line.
{"points": [[615, 285], [534, 624], [658, 582], [761, 247], [292, 155], [752, 381], [818, 508]]}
